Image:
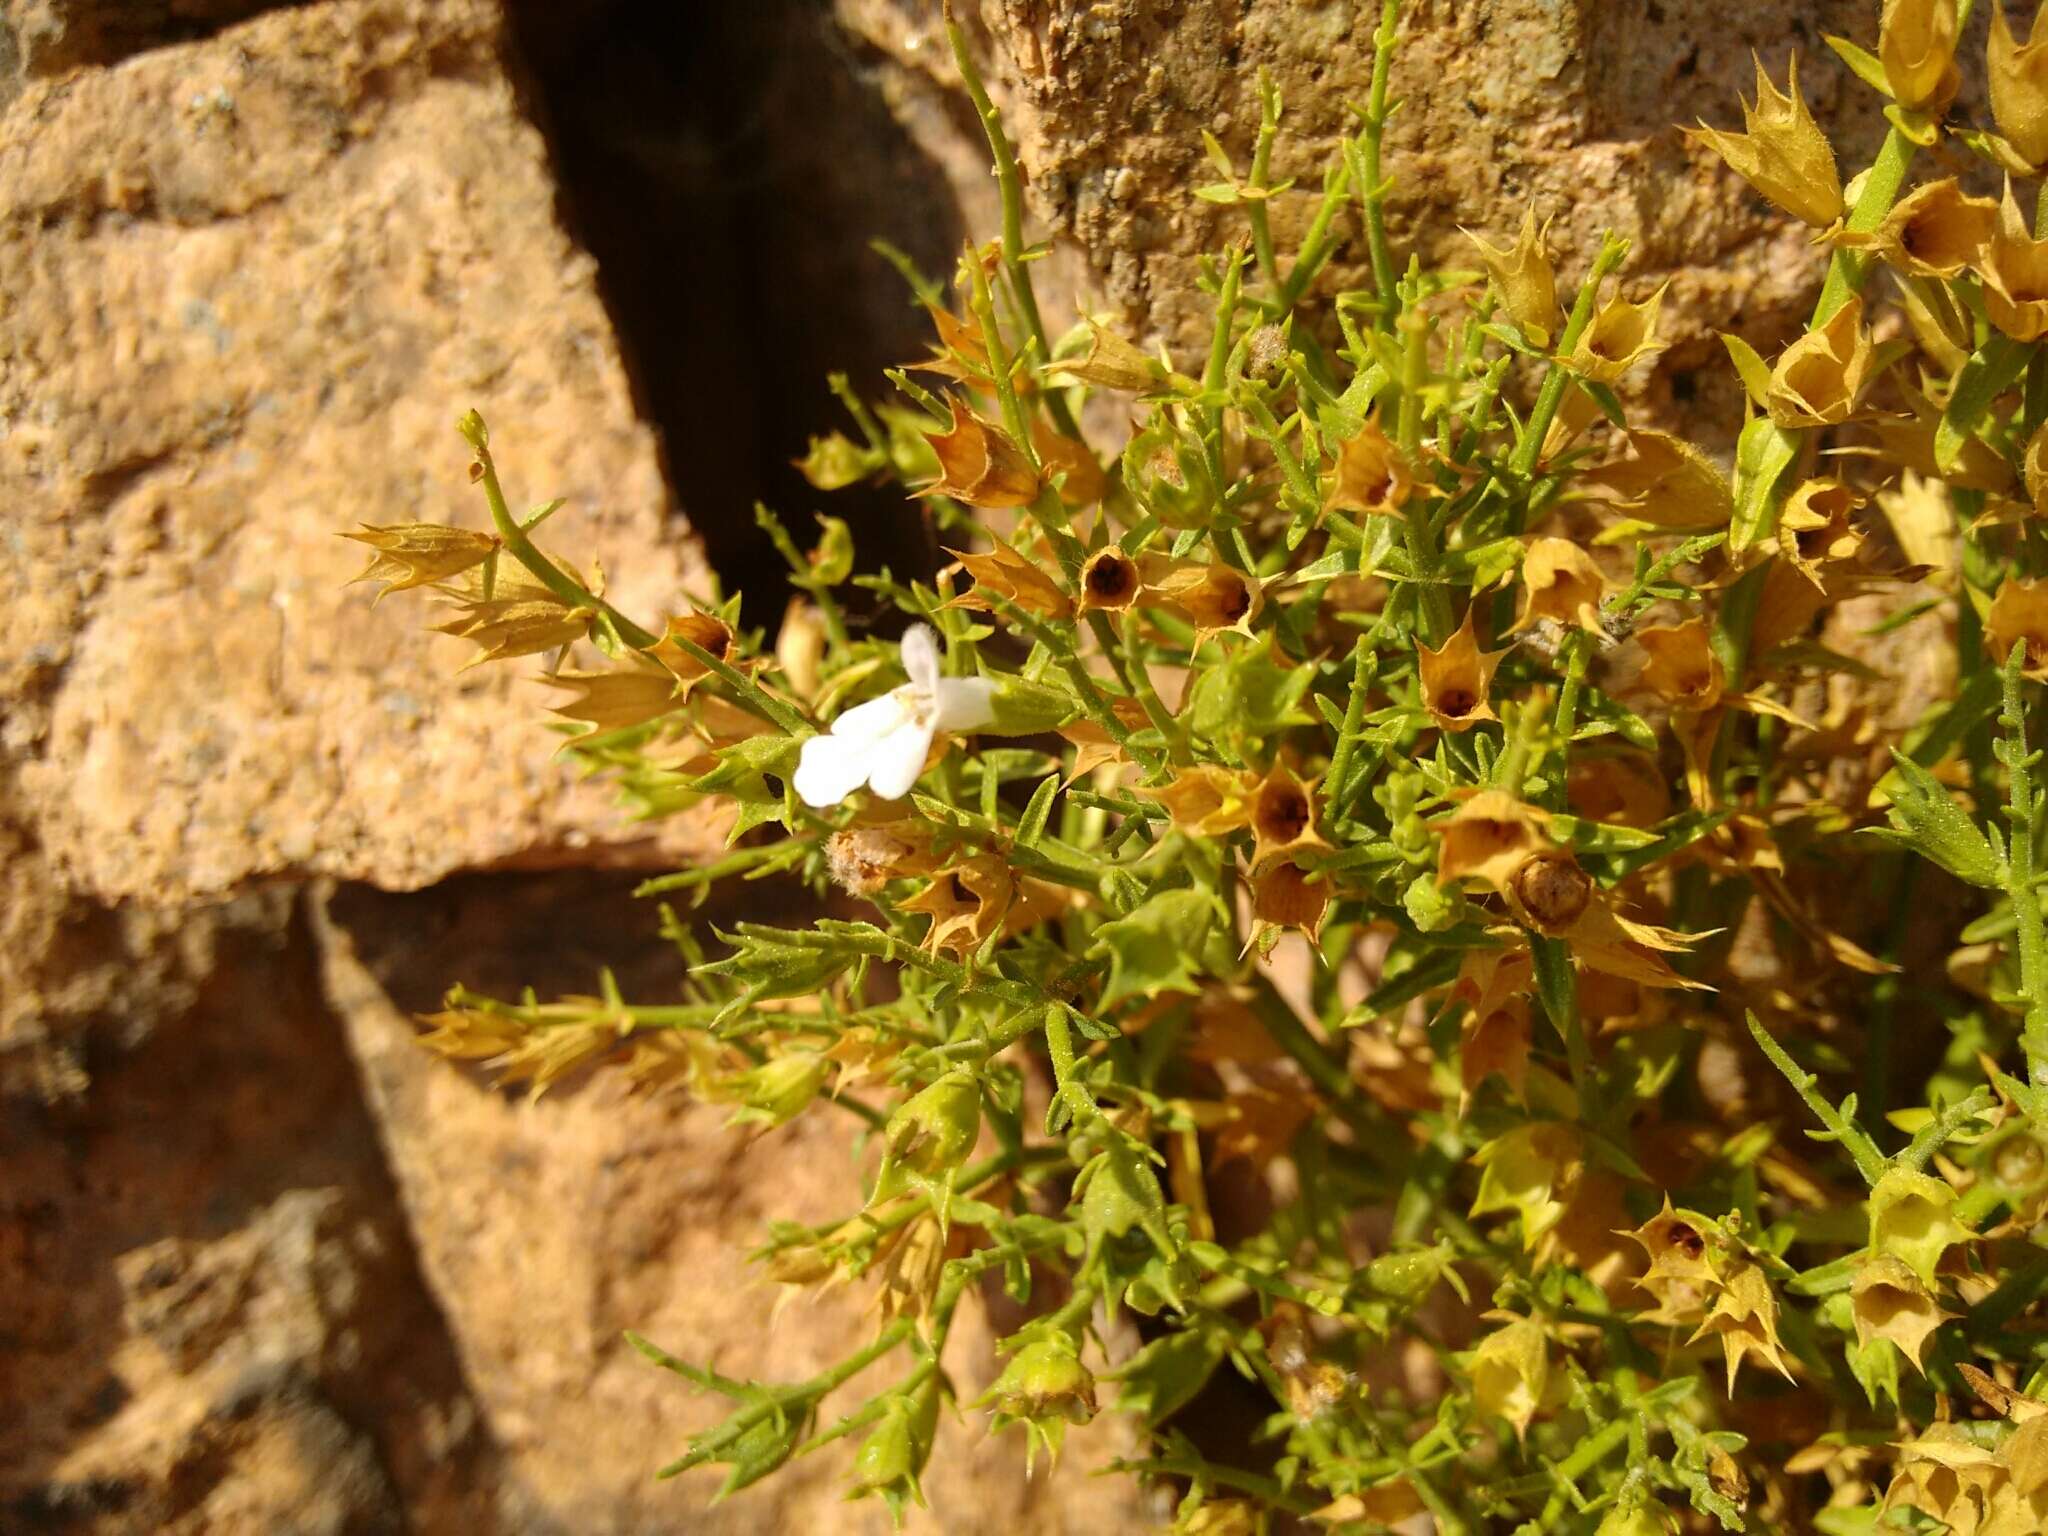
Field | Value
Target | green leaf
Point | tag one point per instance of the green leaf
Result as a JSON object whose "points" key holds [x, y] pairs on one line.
{"points": [[1763, 453], [1756, 373], [1031, 826], [1247, 698], [1984, 376], [1157, 948], [1938, 828], [1864, 64], [1164, 1375]]}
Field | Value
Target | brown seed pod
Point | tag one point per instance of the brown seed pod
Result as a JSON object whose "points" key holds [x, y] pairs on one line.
{"points": [[1549, 891]]}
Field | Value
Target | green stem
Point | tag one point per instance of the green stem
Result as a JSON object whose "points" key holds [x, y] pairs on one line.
{"points": [[1881, 185], [521, 548], [2023, 812], [1550, 397], [1371, 192]]}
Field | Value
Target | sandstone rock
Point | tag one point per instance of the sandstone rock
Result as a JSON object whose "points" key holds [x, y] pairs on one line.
{"points": [[1571, 106], [51, 36], [548, 1229], [215, 1322], [249, 285]]}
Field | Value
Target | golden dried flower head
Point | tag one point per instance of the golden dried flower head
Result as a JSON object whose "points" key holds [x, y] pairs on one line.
{"points": [[1912, 1219], [1950, 1477], [1782, 151], [1081, 479], [800, 647], [1457, 677], [1562, 583], [1624, 788], [408, 555], [707, 632], [1681, 1271], [1207, 799], [1527, 284], [1888, 1301], [1110, 581], [611, 701], [1815, 531], [1216, 597], [1488, 836], [1744, 1318], [1284, 895], [1548, 891], [517, 626], [980, 465], [1372, 474], [1667, 482], [2034, 466], [2018, 75], [1619, 336], [1495, 1043], [1916, 43], [2014, 266], [1283, 816], [1111, 362], [1820, 378], [2019, 616], [967, 901], [1511, 1372], [1013, 576], [1526, 1170], [1935, 230], [1680, 666]]}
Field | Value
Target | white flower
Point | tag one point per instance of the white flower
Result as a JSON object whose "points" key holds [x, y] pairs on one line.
{"points": [[883, 743]]}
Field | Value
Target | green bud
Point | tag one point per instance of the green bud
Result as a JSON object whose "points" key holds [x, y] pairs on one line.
{"points": [[836, 461], [473, 430], [934, 1129], [1407, 1276], [1636, 1517], [1430, 906], [779, 1089], [1045, 1387], [832, 560], [894, 1454], [1024, 708]]}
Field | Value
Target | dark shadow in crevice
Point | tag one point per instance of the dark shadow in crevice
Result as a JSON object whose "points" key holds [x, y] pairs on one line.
{"points": [[83, 33], [728, 175]]}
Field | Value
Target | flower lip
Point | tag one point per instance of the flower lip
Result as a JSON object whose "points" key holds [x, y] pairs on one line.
{"points": [[882, 745]]}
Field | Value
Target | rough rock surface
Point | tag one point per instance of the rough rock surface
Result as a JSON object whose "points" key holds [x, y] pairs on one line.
{"points": [[1569, 106], [249, 285], [267, 1266], [550, 1228]]}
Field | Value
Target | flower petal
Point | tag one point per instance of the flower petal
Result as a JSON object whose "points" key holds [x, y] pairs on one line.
{"points": [[829, 768], [965, 703], [868, 723], [894, 763], [921, 657]]}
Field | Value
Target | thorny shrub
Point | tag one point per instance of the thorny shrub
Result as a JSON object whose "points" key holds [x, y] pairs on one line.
{"points": [[1399, 891]]}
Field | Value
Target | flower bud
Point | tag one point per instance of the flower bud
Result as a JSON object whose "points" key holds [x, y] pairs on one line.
{"points": [[778, 1090], [1020, 707], [1408, 1277], [894, 1454], [2018, 76], [1523, 275], [1642, 1516], [1111, 363], [1782, 152], [933, 1130], [836, 461], [1916, 43], [800, 647], [1045, 1387], [1911, 1220]]}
